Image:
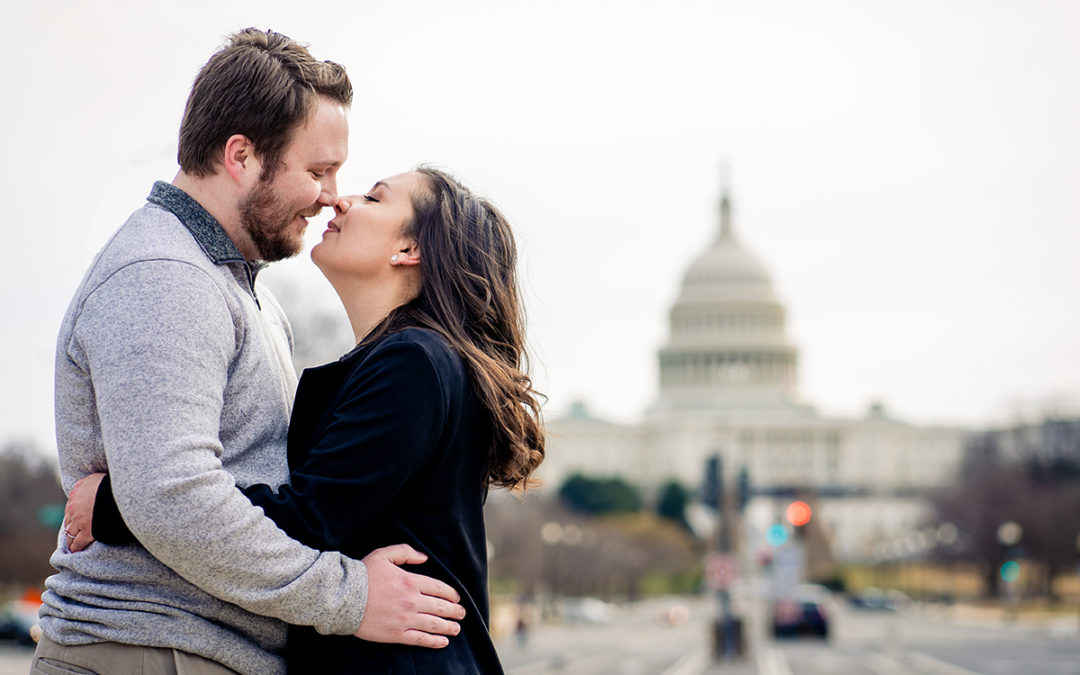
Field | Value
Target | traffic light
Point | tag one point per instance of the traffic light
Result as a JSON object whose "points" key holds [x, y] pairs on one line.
{"points": [[798, 513], [743, 486], [777, 535], [712, 489]]}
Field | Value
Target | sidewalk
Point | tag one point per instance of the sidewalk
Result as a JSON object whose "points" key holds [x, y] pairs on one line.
{"points": [[1055, 624], [15, 660]]}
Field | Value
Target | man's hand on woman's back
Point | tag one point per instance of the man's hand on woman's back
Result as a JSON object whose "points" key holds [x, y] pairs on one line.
{"points": [[407, 608]]}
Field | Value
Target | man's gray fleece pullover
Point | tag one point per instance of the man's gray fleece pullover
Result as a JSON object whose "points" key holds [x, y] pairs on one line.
{"points": [[173, 374]]}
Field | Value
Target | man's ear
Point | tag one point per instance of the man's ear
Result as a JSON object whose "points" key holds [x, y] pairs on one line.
{"points": [[408, 255], [239, 158]]}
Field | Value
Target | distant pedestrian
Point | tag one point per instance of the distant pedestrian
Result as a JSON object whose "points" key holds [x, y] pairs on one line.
{"points": [[521, 632]]}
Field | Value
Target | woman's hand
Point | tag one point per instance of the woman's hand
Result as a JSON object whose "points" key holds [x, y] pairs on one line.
{"points": [[79, 512]]}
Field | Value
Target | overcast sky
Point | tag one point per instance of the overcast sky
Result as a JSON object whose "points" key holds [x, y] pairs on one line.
{"points": [[909, 172]]}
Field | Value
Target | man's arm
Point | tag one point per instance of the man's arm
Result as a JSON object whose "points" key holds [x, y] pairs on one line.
{"points": [[383, 430], [158, 339], [91, 513]]}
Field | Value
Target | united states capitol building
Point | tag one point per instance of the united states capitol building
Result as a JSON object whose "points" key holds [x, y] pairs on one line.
{"points": [[729, 388]]}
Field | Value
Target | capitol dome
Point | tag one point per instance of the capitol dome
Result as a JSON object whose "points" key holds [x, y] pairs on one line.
{"points": [[728, 347], [726, 270], [726, 263]]}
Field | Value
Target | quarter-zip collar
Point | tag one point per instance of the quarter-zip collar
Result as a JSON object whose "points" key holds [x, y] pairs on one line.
{"points": [[206, 230]]}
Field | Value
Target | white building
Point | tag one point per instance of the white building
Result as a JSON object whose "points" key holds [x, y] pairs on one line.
{"points": [[728, 387]]}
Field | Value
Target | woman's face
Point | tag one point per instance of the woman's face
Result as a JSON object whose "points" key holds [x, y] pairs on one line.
{"points": [[367, 230]]}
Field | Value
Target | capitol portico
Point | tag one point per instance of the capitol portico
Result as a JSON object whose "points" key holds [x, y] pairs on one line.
{"points": [[729, 388]]}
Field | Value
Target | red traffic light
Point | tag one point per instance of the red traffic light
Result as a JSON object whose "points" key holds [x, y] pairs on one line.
{"points": [[798, 513]]}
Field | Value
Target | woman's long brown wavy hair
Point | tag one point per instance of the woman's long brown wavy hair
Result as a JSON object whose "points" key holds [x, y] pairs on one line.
{"points": [[469, 294]]}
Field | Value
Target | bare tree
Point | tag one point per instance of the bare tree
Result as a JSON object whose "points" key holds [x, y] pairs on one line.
{"points": [[1047, 511], [544, 548], [31, 507]]}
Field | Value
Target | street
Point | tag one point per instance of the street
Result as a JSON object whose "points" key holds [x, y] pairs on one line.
{"points": [[641, 640], [918, 641], [927, 643], [634, 643], [15, 660]]}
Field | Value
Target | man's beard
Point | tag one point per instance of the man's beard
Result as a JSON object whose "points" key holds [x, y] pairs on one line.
{"points": [[266, 220]]}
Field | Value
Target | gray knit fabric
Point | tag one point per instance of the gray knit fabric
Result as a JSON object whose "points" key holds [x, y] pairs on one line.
{"points": [[173, 373]]}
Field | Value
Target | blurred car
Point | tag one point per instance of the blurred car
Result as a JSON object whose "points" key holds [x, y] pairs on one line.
{"points": [[898, 599], [878, 600], [16, 620], [872, 599], [803, 613], [585, 610]]}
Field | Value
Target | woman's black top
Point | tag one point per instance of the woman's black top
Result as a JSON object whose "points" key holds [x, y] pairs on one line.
{"points": [[388, 445]]}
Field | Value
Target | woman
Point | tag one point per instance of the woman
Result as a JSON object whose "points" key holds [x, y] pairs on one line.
{"points": [[400, 439]]}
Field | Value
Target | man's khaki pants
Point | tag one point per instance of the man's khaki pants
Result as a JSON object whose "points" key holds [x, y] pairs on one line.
{"points": [[113, 658]]}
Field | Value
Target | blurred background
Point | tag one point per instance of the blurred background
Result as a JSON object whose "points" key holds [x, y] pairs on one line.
{"points": [[800, 280]]}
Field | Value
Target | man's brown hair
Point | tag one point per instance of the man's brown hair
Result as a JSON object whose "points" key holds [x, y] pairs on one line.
{"points": [[261, 84]]}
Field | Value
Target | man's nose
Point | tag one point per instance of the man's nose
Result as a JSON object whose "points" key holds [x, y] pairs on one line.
{"points": [[329, 195]]}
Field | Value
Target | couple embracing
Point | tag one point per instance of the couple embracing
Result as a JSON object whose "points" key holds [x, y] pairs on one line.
{"points": [[214, 523]]}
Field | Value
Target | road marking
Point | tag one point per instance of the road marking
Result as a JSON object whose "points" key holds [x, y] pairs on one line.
{"points": [[585, 664], [549, 664], [537, 667], [771, 661], [692, 663], [910, 663], [937, 666], [884, 665]]}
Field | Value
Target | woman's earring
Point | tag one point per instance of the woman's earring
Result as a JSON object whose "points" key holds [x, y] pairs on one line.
{"points": [[393, 258]]}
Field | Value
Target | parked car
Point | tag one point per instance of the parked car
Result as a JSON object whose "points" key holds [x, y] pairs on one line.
{"points": [[585, 610], [16, 620], [872, 599], [879, 600], [802, 613]]}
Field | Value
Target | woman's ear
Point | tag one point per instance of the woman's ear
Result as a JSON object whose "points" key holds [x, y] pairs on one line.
{"points": [[408, 255], [239, 158]]}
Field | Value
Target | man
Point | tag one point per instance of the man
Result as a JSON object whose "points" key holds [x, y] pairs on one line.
{"points": [[173, 373]]}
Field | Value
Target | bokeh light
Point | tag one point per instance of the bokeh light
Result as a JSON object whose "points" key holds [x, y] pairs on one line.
{"points": [[777, 535], [1010, 571], [798, 513]]}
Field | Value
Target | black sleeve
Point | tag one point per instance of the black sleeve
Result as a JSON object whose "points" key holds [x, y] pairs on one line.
{"points": [[384, 430], [108, 526]]}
